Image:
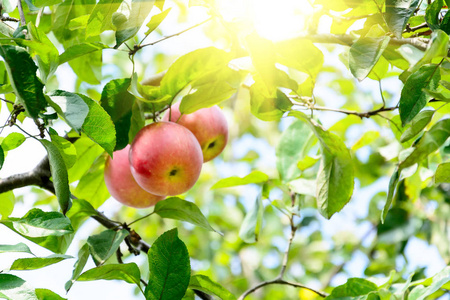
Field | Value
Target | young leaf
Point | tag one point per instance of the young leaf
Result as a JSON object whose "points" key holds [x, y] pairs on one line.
{"points": [[127, 272], [44, 294], [413, 97], [205, 284], [417, 125], [253, 177], [59, 175], [354, 287], [83, 255], [67, 11], [268, 106], [291, 148], [398, 13], [12, 141], [430, 142], [98, 125], [78, 50], [432, 284], [366, 139], [364, 54], [70, 107], [169, 267], [103, 245], [442, 174], [15, 288], [100, 19], [179, 209], [87, 152], [7, 202], [20, 247], [252, 223], [139, 11], [66, 148], [335, 178], [80, 211], [22, 74], [34, 263], [51, 230], [156, 20], [118, 103]]}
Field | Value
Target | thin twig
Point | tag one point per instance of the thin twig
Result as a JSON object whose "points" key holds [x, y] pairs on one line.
{"points": [[23, 22], [362, 115]]}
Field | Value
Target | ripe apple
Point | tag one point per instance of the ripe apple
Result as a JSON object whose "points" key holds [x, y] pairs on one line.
{"points": [[165, 158], [207, 124], [122, 185]]}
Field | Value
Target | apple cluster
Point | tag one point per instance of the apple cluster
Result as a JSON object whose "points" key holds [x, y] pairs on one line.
{"points": [[165, 158]]}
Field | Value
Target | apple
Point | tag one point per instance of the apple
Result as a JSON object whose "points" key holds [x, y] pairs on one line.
{"points": [[207, 124], [165, 158], [122, 185]]}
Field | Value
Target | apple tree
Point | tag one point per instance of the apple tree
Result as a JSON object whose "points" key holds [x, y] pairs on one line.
{"points": [[335, 182]]}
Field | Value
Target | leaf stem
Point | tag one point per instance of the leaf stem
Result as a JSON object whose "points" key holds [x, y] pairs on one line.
{"points": [[23, 22], [141, 218]]}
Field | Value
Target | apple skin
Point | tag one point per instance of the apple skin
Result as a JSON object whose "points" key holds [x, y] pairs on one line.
{"points": [[207, 124], [165, 158], [122, 185]]}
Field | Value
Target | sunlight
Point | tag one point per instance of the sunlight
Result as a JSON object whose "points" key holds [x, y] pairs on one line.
{"points": [[274, 21]]}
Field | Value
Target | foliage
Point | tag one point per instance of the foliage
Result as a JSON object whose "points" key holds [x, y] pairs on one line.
{"points": [[319, 122]]}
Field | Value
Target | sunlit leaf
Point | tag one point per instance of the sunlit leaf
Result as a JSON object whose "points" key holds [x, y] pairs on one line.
{"points": [[34, 263], [127, 272], [442, 173], [83, 255], [432, 285], [80, 211], [20, 247], [7, 202], [364, 54], [417, 125], [12, 141], [398, 13], [78, 50], [15, 288], [253, 177], [44, 294], [100, 19], [252, 223], [205, 284], [66, 148], [156, 20]]}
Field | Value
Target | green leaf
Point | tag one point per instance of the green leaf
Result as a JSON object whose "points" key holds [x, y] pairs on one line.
{"points": [[59, 175], [437, 49], [136, 17], [432, 284], [103, 245], [156, 20], [2, 157], [66, 148], [44, 294], [51, 230], [12, 141], [205, 284], [398, 13], [87, 153], [301, 55], [442, 174], [127, 272], [413, 97], [179, 209], [169, 267], [252, 223], [364, 54], [417, 125], [303, 186], [71, 107], [430, 142], [79, 50], [83, 255], [88, 67], [118, 103], [7, 202], [335, 178], [9, 5], [100, 19], [353, 288], [392, 185], [22, 74], [367, 138], [432, 14], [42, 3], [20, 247], [80, 211], [67, 11], [34, 263], [79, 22], [15, 288], [253, 177], [191, 66], [98, 125], [268, 107], [292, 147]]}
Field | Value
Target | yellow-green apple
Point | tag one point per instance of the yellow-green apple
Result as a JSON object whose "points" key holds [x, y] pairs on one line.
{"points": [[122, 185], [165, 158], [207, 124]]}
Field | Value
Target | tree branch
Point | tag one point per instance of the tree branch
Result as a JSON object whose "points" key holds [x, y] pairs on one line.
{"points": [[362, 115], [23, 22]]}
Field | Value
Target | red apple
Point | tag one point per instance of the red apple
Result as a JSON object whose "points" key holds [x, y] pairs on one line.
{"points": [[165, 158], [207, 124], [122, 185]]}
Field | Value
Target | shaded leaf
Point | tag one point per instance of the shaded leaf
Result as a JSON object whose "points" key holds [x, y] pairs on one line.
{"points": [[66, 148], [252, 223], [80, 211], [20, 247], [70, 107], [127, 272], [364, 54], [392, 185], [179, 209], [87, 153], [169, 267], [103, 245], [417, 125], [205, 284], [59, 175], [253, 177], [398, 13], [34, 263]]}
